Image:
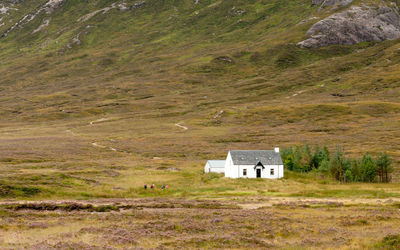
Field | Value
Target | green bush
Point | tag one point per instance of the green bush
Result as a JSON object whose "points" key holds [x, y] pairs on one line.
{"points": [[390, 242]]}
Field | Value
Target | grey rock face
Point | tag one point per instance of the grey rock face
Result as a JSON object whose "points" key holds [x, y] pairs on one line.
{"points": [[48, 7], [355, 25], [316, 2], [326, 3]]}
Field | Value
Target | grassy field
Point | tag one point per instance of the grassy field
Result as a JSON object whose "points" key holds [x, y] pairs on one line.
{"points": [[61, 161], [164, 223]]}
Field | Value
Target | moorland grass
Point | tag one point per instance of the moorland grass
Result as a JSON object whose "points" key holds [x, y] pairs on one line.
{"points": [[148, 69]]}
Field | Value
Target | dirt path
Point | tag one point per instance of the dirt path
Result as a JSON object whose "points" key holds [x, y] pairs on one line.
{"points": [[95, 144], [71, 132], [99, 120], [181, 126], [303, 91]]}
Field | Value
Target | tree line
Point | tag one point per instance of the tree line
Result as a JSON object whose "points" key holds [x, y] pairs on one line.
{"points": [[337, 164]]}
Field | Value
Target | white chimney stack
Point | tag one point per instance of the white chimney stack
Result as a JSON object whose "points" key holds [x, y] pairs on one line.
{"points": [[277, 150]]}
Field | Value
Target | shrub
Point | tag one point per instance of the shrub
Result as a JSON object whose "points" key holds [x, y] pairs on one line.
{"points": [[390, 242]]}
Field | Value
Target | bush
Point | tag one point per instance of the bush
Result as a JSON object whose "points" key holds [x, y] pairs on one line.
{"points": [[390, 242]]}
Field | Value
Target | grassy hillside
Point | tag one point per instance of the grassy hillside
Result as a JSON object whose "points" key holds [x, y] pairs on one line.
{"points": [[90, 103]]}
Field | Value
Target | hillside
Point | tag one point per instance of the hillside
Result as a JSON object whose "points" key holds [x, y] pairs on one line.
{"points": [[98, 97]]}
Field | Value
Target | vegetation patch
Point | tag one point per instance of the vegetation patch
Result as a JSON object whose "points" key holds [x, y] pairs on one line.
{"points": [[391, 241], [15, 191], [63, 207], [337, 165]]}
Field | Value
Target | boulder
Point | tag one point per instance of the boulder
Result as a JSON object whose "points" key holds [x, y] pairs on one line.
{"points": [[354, 25]]}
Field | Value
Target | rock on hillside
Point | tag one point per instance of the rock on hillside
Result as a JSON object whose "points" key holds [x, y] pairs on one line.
{"points": [[326, 3], [48, 8], [354, 25]]}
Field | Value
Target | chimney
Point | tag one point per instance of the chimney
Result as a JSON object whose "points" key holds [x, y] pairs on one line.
{"points": [[277, 150]]}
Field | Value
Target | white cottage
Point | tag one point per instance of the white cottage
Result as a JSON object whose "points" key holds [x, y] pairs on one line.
{"points": [[254, 164], [215, 166], [249, 164]]}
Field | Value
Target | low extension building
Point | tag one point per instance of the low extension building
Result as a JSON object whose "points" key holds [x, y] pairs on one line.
{"points": [[215, 166]]}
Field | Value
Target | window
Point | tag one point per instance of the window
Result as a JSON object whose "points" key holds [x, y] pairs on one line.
{"points": [[244, 172], [272, 171]]}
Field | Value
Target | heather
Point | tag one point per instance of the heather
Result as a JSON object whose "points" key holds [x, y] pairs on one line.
{"points": [[154, 223]]}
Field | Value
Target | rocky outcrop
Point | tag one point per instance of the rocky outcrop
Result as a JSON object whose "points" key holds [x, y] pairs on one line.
{"points": [[326, 3], [51, 5], [4, 10], [354, 25], [48, 8], [120, 6]]}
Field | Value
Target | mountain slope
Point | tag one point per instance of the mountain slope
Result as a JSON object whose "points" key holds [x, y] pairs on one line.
{"points": [[80, 78]]}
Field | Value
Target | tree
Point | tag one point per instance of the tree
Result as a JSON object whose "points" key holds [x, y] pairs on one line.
{"points": [[326, 154], [356, 169], [337, 165], [368, 169], [288, 158], [306, 159], [384, 167], [348, 176], [297, 160], [324, 166], [319, 156]]}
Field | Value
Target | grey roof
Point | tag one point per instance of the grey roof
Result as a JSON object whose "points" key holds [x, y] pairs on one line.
{"points": [[252, 157], [217, 163]]}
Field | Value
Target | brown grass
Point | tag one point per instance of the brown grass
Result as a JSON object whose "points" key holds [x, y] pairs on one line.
{"points": [[151, 226]]}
